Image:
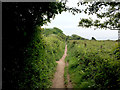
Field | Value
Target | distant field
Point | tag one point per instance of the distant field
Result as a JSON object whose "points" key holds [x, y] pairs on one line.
{"points": [[93, 64]]}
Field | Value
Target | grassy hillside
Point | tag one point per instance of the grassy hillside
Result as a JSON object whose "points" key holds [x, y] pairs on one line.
{"points": [[93, 64], [56, 31]]}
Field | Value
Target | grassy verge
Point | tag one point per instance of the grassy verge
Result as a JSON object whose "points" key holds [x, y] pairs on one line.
{"points": [[65, 76], [93, 65]]}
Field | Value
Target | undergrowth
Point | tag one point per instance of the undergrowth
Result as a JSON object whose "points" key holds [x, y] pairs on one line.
{"points": [[40, 61], [65, 76], [93, 65]]}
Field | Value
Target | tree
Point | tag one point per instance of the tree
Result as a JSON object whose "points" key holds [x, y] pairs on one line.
{"points": [[109, 11], [19, 22], [93, 38]]}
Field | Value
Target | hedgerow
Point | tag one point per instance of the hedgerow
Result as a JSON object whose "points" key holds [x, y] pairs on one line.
{"points": [[93, 66], [40, 63]]}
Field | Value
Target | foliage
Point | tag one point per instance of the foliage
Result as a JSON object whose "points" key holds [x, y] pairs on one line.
{"points": [[109, 11], [93, 38], [42, 65], [93, 66], [65, 76], [116, 51], [56, 31], [55, 45], [39, 63], [74, 37], [25, 60], [38, 66]]}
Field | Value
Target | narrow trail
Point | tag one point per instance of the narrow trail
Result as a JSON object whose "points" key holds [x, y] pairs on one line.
{"points": [[58, 81]]}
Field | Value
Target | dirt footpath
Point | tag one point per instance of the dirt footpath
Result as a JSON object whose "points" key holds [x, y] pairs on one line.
{"points": [[58, 81]]}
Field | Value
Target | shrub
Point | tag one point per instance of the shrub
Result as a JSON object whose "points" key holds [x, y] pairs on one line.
{"points": [[93, 67]]}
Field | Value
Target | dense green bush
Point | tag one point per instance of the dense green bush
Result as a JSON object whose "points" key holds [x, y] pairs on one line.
{"points": [[93, 38], [93, 66], [26, 62], [40, 66], [116, 51], [55, 45]]}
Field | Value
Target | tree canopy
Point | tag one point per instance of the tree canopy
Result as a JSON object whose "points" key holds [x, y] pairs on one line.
{"points": [[20, 36], [93, 38], [109, 11]]}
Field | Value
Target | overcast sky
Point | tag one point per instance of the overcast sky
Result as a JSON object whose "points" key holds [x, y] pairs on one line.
{"points": [[68, 23]]}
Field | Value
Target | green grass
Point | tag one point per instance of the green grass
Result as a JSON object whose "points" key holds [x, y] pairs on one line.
{"points": [[93, 66], [65, 76]]}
